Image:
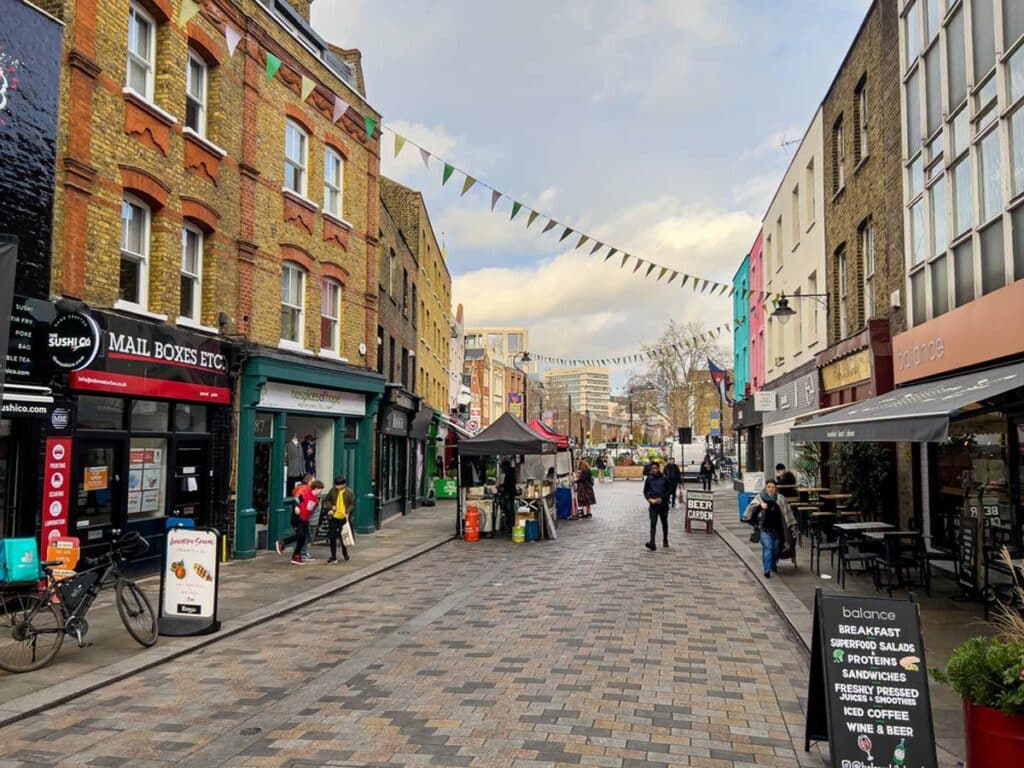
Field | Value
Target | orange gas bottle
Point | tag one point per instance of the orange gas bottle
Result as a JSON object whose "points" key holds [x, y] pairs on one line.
{"points": [[472, 527]]}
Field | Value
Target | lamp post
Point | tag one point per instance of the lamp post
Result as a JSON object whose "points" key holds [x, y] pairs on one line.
{"points": [[523, 356], [783, 312]]}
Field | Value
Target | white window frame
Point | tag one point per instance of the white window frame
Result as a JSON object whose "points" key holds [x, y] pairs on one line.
{"points": [[809, 192], [149, 65], [197, 276], [327, 286], [334, 186], [141, 258], [840, 150], [301, 165], [867, 249], [200, 100], [297, 272], [795, 214], [862, 109], [844, 305]]}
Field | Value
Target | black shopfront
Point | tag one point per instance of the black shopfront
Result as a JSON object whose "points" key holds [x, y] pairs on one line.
{"points": [[400, 451], [151, 431]]}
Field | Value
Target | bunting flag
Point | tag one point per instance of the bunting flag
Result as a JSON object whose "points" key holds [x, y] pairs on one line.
{"points": [[307, 87], [425, 156], [550, 225], [468, 184], [639, 263], [340, 107], [583, 239], [611, 252], [399, 143], [516, 207], [232, 36], [650, 269], [685, 278], [674, 276], [188, 11], [273, 64], [449, 169], [646, 354], [662, 274], [371, 126], [565, 234], [495, 197], [625, 258], [597, 247], [533, 217]]}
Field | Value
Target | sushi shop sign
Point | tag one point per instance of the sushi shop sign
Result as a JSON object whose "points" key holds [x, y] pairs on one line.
{"points": [[189, 581]]}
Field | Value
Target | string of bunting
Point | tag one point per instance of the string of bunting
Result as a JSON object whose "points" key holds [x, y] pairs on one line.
{"points": [[233, 36], [635, 357]]}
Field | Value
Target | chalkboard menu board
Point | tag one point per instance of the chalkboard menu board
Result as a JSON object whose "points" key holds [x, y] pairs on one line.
{"points": [[700, 508], [868, 694], [967, 548]]}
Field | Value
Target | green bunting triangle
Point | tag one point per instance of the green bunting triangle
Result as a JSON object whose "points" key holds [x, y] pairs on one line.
{"points": [[662, 273], [611, 253], [516, 207], [448, 171], [625, 258], [533, 218], [371, 126], [273, 64], [685, 278], [565, 234], [673, 277], [468, 184], [651, 269], [583, 239]]}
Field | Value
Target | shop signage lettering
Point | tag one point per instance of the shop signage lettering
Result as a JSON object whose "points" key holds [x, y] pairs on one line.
{"points": [[928, 351], [73, 341], [700, 508], [868, 692], [136, 346], [294, 397], [847, 371], [764, 401], [56, 482]]}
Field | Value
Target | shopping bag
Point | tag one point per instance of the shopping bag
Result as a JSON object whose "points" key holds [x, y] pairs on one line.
{"points": [[346, 535]]}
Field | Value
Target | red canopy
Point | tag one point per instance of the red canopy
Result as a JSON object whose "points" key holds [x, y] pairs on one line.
{"points": [[542, 429]]}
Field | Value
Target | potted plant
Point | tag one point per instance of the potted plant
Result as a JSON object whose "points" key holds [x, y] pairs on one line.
{"points": [[988, 674], [863, 470], [808, 463]]}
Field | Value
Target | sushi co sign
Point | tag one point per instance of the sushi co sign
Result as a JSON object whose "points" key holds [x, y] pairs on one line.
{"points": [[189, 581]]}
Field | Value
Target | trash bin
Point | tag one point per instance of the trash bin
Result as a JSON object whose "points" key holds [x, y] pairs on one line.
{"points": [[744, 501], [245, 534]]}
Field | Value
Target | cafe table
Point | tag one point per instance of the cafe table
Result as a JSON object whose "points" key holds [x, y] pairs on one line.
{"points": [[893, 560], [879, 535], [863, 527], [866, 559]]}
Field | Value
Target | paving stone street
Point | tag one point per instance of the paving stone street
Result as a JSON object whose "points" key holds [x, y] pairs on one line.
{"points": [[588, 650]]}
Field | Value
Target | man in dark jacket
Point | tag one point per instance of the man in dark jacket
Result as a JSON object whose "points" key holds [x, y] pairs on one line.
{"points": [[673, 475], [657, 492], [339, 504]]}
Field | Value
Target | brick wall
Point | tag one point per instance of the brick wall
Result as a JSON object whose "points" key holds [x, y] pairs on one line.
{"points": [[873, 187], [397, 321]]}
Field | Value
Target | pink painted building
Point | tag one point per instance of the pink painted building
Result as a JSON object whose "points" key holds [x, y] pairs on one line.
{"points": [[757, 314]]}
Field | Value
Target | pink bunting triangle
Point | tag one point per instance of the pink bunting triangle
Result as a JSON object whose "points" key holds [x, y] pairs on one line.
{"points": [[339, 109], [233, 36], [495, 197], [426, 158]]}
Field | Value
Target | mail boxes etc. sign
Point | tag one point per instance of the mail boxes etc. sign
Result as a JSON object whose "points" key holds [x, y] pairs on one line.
{"points": [[868, 694]]}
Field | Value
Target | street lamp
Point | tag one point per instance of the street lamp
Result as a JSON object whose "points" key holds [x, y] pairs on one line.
{"points": [[783, 312], [523, 356]]}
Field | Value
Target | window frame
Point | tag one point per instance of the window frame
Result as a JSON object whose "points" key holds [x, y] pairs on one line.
{"points": [[327, 286], [334, 186], [149, 66], [295, 269], [839, 157], [860, 110], [301, 169], [841, 289], [195, 58], [197, 277], [140, 258], [866, 238]]}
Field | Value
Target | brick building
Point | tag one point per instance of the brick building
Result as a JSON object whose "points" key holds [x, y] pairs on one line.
{"points": [[223, 230]]}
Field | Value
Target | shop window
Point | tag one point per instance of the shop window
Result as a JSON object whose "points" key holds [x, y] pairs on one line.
{"points": [[334, 174], [189, 418], [330, 316], [141, 51], [264, 425], [100, 412], [134, 273], [191, 273], [296, 145], [150, 416], [147, 477], [293, 284], [196, 78], [351, 429]]}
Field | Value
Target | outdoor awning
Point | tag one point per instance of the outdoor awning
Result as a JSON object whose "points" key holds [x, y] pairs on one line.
{"points": [[420, 425], [505, 437], [778, 427], [459, 430], [919, 413]]}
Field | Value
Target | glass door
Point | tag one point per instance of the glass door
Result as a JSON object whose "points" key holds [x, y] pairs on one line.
{"points": [[191, 481], [98, 492]]}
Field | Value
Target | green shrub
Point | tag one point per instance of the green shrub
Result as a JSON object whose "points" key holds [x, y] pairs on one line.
{"points": [[988, 672]]}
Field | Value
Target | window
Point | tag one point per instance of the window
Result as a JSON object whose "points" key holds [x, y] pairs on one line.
{"points": [[913, 33], [838, 157], [134, 278], [794, 205], [768, 254], [150, 416], [195, 94], [993, 262], [191, 273], [983, 34], [798, 326], [334, 174], [918, 297], [844, 307], [295, 157], [956, 60], [405, 292], [415, 303], [961, 132], [141, 51], [932, 91], [1017, 150], [1013, 23], [940, 287], [330, 316], [809, 192], [933, 10], [860, 118], [778, 244], [913, 92], [1015, 68], [937, 201], [391, 358], [867, 253], [1017, 245], [963, 211], [293, 302], [917, 233], [963, 273], [989, 179], [391, 272]]}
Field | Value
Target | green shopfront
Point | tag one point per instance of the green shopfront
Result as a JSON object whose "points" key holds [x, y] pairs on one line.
{"points": [[299, 416]]}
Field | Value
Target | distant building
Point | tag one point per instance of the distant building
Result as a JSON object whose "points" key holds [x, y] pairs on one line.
{"points": [[589, 387], [505, 343], [457, 394]]}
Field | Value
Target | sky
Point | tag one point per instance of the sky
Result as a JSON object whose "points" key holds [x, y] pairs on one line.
{"points": [[654, 125]]}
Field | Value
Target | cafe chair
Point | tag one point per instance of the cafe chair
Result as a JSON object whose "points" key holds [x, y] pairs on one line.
{"points": [[900, 555], [863, 559], [823, 540]]}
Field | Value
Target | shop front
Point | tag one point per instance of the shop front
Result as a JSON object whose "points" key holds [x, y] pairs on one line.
{"points": [[151, 430], [400, 453], [749, 419], [857, 368], [301, 416], [796, 394]]}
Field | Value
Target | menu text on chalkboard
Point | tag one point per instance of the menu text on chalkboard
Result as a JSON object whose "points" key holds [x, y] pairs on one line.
{"points": [[868, 694]]}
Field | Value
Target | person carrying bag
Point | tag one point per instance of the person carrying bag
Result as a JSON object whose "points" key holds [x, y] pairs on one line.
{"points": [[774, 524], [339, 503]]}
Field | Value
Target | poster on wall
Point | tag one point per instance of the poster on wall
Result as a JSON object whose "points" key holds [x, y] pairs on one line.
{"points": [[189, 582], [145, 480]]}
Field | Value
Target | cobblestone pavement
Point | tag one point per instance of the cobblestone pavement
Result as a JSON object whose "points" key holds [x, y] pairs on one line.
{"points": [[588, 650]]}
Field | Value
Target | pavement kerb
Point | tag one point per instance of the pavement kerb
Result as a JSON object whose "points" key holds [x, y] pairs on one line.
{"points": [[171, 648], [793, 611]]}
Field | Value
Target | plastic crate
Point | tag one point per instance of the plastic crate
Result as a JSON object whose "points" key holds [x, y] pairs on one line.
{"points": [[19, 561]]}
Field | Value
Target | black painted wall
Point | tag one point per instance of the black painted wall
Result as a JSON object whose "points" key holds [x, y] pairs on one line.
{"points": [[30, 51]]}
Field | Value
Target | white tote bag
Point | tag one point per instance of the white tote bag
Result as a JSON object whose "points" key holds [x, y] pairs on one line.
{"points": [[346, 535]]}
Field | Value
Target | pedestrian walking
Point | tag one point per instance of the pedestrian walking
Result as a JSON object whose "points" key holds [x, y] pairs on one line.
{"points": [[585, 488], [770, 513], [656, 491], [308, 501], [601, 466], [787, 480], [674, 477], [707, 472], [339, 503]]}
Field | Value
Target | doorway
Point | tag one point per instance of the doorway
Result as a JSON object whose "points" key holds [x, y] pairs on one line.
{"points": [[191, 484], [98, 513]]}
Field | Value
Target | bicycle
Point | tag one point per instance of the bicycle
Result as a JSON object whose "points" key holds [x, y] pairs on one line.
{"points": [[33, 624]]}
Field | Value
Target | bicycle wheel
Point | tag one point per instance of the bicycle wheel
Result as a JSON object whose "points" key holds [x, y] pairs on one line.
{"points": [[31, 632], [136, 612]]}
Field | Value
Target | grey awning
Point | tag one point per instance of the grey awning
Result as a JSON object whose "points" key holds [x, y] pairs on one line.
{"points": [[919, 413]]}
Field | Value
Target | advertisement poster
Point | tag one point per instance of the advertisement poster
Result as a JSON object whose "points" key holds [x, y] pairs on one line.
{"points": [[95, 479], [190, 587], [145, 480], [56, 481]]}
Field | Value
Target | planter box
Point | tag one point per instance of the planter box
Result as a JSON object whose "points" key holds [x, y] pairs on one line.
{"points": [[993, 738]]}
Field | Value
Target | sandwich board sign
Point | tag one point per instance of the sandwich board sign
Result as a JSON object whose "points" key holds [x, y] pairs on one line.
{"points": [[700, 508], [868, 691], [189, 582]]}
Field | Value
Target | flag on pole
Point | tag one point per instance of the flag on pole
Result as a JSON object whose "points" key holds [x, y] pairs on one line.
{"points": [[721, 378]]}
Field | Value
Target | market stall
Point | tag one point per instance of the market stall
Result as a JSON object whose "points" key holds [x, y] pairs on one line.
{"points": [[511, 440], [564, 465]]}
